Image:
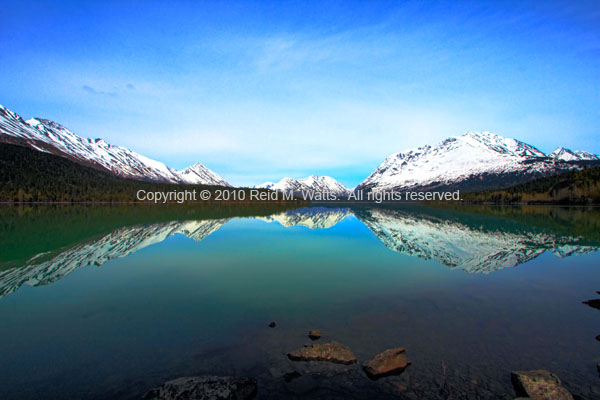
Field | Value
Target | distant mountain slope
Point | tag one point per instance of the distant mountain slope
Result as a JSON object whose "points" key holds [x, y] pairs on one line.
{"points": [[30, 175], [569, 155], [474, 161], [48, 136], [310, 184], [574, 187]]}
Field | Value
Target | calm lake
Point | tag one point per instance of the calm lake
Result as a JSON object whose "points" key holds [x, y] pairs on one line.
{"points": [[109, 302]]}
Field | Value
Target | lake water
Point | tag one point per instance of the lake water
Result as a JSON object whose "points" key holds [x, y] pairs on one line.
{"points": [[108, 302]]}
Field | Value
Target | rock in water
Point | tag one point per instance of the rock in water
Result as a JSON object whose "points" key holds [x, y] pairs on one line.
{"points": [[389, 362], [593, 303], [290, 376], [314, 334], [333, 352], [205, 388], [539, 384]]}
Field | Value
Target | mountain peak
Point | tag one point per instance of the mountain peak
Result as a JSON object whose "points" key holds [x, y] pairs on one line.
{"points": [[199, 174], [459, 160], [483, 134], [194, 166], [564, 154]]}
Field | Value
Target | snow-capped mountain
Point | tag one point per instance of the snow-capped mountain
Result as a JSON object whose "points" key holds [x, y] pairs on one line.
{"points": [[310, 184], [117, 244], [474, 161], [266, 185], [199, 174], [469, 247], [569, 155], [48, 136]]}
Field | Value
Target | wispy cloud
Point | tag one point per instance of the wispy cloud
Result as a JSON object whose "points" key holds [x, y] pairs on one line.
{"points": [[297, 50], [93, 91]]}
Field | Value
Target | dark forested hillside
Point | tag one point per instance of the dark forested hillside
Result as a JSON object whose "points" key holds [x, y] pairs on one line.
{"points": [[28, 175], [574, 187]]}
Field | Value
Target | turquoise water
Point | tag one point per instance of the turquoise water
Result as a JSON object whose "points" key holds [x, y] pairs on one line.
{"points": [[123, 306]]}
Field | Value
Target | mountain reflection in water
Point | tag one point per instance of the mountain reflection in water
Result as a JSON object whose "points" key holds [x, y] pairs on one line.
{"points": [[479, 241]]}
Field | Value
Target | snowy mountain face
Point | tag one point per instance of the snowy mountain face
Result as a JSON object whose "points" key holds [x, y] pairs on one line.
{"points": [[199, 174], [563, 154], [310, 184], [474, 161], [51, 137]]}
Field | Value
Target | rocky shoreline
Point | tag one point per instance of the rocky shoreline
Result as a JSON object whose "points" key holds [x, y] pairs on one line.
{"points": [[332, 371]]}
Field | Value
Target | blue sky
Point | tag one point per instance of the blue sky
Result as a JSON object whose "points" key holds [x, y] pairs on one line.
{"points": [[261, 90]]}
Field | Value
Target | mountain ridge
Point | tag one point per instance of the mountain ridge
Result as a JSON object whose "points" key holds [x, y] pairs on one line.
{"points": [[51, 137], [310, 184], [473, 161]]}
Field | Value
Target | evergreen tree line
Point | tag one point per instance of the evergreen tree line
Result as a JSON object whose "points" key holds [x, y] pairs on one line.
{"points": [[573, 187], [28, 175]]}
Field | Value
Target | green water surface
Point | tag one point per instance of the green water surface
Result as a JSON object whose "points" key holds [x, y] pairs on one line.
{"points": [[108, 302]]}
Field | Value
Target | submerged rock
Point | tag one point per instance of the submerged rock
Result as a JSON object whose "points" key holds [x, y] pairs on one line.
{"points": [[539, 384], [290, 376], [314, 334], [391, 361], [205, 388], [332, 352], [593, 303], [302, 385]]}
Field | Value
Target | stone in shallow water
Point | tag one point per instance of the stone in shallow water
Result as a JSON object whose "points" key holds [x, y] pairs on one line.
{"points": [[593, 303], [539, 385], [388, 362], [314, 334], [205, 388], [290, 376], [332, 351]]}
